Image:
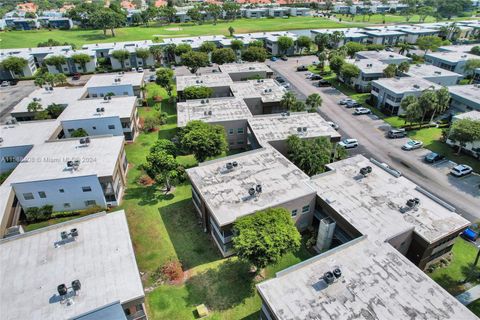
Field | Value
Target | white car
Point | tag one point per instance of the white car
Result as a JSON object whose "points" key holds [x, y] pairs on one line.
{"points": [[412, 145], [461, 170], [139, 69], [345, 101], [5, 84], [333, 125], [362, 110], [348, 143]]}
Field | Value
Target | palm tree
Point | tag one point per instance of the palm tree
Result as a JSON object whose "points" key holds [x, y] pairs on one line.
{"points": [[288, 100], [405, 48], [314, 101], [403, 67], [143, 54], [443, 100], [322, 57], [39, 81]]}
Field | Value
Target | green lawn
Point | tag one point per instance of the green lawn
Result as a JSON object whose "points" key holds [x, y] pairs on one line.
{"points": [[431, 140], [21, 39], [460, 267], [164, 227]]}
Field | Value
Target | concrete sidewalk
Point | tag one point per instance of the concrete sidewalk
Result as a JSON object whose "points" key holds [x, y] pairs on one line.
{"points": [[469, 296]]}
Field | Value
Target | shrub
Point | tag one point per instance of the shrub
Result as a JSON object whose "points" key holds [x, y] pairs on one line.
{"points": [[35, 214], [172, 270], [194, 92], [145, 180], [374, 46], [150, 123]]}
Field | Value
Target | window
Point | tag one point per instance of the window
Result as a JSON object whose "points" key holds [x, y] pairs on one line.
{"points": [[101, 94], [232, 143], [94, 128], [71, 130], [125, 93], [42, 194], [65, 69], [90, 203], [111, 126], [240, 142], [294, 212], [61, 190], [28, 196], [306, 209], [230, 131], [86, 189], [240, 130], [94, 95], [66, 205]]}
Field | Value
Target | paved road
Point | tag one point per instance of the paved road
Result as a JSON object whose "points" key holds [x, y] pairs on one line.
{"points": [[370, 132], [11, 95]]}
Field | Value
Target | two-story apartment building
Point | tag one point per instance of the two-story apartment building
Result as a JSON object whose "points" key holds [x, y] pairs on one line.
{"points": [[80, 269], [117, 116], [218, 82], [434, 74], [449, 60], [262, 96], [472, 148], [115, 84], [370, 69], [383, 56], [349, 35], [246, 71], [70, 66], [72, 174], [465, 97]]}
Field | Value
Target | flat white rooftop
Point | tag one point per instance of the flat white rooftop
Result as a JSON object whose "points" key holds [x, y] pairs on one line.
{"points": [[226, 191], [211, 80], [35, 263], [451, 56], [383, 33], [277, 127], [116, 45], [59, 95], [27, 133], [108, 80], [372, 204], [36, 50], [270, 36], [428, 71], [69, 53], [405, 84], [369, 66], [244, 67], [377, 282], [348, 32], [268, 90], [212, 110], [474, 115], [469, 92], [381, 55], [194, 42], [122, 107], [459, 48], [48, 161]]}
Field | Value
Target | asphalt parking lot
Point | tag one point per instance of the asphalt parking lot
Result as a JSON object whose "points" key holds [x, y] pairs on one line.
{"points": [[11, 95]]}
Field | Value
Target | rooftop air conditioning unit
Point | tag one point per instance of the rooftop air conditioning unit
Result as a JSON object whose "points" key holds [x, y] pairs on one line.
{"points": [[76, 285], [258, 188], [328, 277], [251, 191], [210, 112], [62, 289], [365, 171], [229, 165], [235, 164], [304, 129]]}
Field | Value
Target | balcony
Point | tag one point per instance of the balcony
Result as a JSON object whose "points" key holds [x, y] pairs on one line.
{"points": [[139, 315]]}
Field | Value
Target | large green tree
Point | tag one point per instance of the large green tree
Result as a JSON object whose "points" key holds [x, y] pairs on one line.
{"points": [[427, 43], [253, 54], [465, 131], [56, 61], [194, 60], [108, 19], [349, 71], [165, 79], [82, 59], [390, 71], [14, 64], [262, 238], [157, 53], [284, 44], [215, 11], [143, 53], [354, 47], [203, 140], [303, 43], [162, 167], [223, 55], [121, 55], [470, 66]]}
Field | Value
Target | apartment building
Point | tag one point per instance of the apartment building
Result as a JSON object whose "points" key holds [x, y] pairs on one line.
{"points": [[117, 116], [219, 82], [449, 60], [262, 96], [80, 269], [465, 97], [387, 93], [476, 76], [102, 50], [270, 40], [383, 56], [472, 148], [72, 174], [370, 69], [230, 112], [349, 34], [115, 84], [378, 204], [360, 279], [27, 71], [246, 71], [274, 129], [195, 42], [434, 74], [70, 66], [226, 189], [275, 12], [415, 32], [38, 53], [385, 37], [62, 96], [17, 139]]}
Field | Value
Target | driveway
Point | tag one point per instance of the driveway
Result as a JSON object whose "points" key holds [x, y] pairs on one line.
{"points": [[370, 132], [11, 95]]}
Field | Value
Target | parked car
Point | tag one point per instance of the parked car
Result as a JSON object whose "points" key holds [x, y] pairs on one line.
{"points": [[152, 68], [316, 77], [333, 125], [5, 84], [389, 49], [397, 133], [133, 69], [461, 170], [139, 69], [345, 101], [348, 143], [323, 83], [412, 145], [273, 59], [469, 234], [76, 76], [302, 68], [353, 104], [152, 78], [361, 110], [433, 157]]}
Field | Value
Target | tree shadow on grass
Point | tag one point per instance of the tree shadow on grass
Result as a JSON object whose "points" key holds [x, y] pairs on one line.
{"points": [[147, 195], [471, 272], [453, 286], [192, 246], [222, 288]]}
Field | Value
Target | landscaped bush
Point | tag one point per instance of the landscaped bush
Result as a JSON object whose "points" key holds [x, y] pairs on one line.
{"points": [[197, 92], [35, 214], [172, 270], [150, 123], [145, 180]]}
